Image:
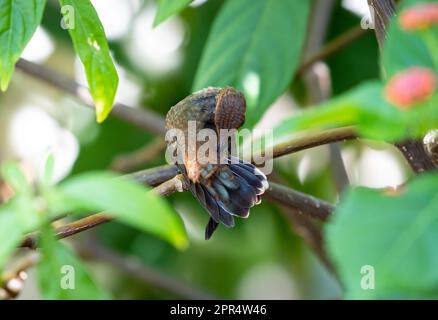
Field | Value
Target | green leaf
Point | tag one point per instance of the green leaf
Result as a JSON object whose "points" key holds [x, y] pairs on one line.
{"points": [[61, 275], [394, 234], [365, 108], [18, 21], [46, 179], [416, 51], [90, 44], [254, 46], [22, 203], [127, 201], [167, 8], [13, 176], [10, 233], [17, 218]]}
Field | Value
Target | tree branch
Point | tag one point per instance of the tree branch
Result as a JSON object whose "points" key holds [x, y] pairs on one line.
{"points": [[149, 152], [330, 48], [142, 118], [303, 203], [312, 140], [143, 273], [158, 175], [154, 176], [416, 155], [310, 233], [308, 230], [12, 280], [173, 185], [164, 175]]}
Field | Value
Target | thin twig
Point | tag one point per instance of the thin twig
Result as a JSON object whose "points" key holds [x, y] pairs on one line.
{"points": [[154, 176], [143, 273], [416, 156], [157, 175], [151, 151], [12, 280], [332, 47], [176, 184], [142, 118], [310, 233], [304, 204], [307, 204], [304, 227], [75, 227], [80, 225], [312, 140]]}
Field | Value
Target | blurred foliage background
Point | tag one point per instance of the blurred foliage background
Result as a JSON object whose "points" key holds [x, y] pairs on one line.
{"points": [[261, 257]]}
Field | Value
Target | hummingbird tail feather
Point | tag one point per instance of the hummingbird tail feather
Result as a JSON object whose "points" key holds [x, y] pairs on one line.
{"points": [[231, 191]]}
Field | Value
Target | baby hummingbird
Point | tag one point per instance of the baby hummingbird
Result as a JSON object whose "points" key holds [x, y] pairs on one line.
{"points": [[225, 185]]}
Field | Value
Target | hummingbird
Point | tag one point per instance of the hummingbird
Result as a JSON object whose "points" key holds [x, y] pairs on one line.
{"points": [[226, 188]]}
